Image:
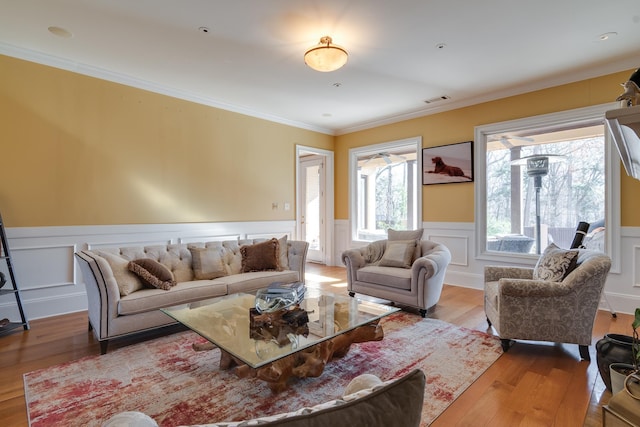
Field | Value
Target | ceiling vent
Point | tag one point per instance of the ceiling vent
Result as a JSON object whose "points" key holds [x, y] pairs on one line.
{"points": [[436, 99]]}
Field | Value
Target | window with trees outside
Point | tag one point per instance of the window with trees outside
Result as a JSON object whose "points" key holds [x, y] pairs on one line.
{"points": [[541, 177], [385, 188]]}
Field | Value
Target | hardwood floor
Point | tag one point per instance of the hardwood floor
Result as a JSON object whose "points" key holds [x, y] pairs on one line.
{"points": [[534, 384]]}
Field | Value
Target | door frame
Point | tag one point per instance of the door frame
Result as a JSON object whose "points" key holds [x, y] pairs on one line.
{"points": [[329, 198]]}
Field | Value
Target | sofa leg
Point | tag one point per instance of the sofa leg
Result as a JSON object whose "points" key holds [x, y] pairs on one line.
{"points": [[584, 352], [506, 344], [103, 346], [423, 312], [90, 326], [489, 322], [352, 294]]}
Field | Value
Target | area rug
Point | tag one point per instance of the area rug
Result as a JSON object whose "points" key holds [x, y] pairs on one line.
{"points": [[175, 385]]}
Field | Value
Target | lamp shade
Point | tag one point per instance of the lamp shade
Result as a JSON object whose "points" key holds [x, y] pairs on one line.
{"points": [[326, 56]]}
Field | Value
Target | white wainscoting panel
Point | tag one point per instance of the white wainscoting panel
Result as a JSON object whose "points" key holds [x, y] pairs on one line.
{"points": [[622, 289], [44, 267], [48, 277], [457, 245]]}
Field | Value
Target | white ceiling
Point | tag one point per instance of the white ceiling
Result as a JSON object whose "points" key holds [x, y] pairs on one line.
{"points": [[250, 60]]}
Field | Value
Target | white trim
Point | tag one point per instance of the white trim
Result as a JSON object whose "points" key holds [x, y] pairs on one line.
{"points": [[104, 74], [547, 120], [329, 198], [371, 150], [52, 286]]}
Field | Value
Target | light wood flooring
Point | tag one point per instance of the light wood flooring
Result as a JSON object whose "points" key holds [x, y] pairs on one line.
{"points": [[534, 384]]}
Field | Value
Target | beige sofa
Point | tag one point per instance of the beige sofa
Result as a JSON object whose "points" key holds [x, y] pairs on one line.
{"points": [[120, 305]]}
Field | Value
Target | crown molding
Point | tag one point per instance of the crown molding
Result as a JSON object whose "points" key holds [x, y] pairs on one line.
{"points": [[104, 74]]}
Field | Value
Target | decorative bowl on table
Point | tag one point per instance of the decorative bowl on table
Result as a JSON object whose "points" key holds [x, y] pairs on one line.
{"points": [[270, 300]]}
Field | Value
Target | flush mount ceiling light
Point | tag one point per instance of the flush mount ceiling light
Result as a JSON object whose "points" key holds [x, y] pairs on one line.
{"points": [[326, 56]]}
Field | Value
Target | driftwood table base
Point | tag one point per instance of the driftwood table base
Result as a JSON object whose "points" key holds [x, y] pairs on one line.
{"points": [[309, 362]]}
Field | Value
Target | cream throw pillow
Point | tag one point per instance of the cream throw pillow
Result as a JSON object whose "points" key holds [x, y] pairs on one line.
{"points": [[126, 280], [555, 264], [408, 235], [207, 263], [284, 253], [398, 253]]}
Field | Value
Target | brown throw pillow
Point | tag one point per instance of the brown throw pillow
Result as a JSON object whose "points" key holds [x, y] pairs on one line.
{"points": [[261, 256], [207, 263], [152, 273], [555, 264]]}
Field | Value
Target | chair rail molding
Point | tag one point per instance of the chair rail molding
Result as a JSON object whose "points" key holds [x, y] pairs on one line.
{"points": [[622, 288], [51, 283]]}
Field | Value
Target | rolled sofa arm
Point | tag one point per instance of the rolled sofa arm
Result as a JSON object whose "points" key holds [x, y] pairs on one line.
{"points": [[526, 288], [436, 259], [297, 255], [354, 260], [493, 273], [102, 290]]}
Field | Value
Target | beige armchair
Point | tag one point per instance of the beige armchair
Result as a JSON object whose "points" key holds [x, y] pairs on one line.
{"points": [[521, 306], [418, 285]]}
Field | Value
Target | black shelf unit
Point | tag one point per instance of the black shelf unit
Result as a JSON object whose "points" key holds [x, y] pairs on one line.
{"points": [[11, 286]]}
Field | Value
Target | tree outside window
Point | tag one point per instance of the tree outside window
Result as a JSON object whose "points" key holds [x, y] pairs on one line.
{"points": [[571, 189]]}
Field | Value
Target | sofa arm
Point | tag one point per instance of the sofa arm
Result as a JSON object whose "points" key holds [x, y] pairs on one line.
{"points": [[297, 255], [102, 290], [353, 258], [493, 273], [525, 288], [434, 260]]}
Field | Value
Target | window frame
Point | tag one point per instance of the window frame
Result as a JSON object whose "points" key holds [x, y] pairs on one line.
{"points": [[370, 150], [612, 180]]}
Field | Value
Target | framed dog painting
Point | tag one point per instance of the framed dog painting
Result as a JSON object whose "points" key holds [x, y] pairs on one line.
{"points": [[447, 164]]}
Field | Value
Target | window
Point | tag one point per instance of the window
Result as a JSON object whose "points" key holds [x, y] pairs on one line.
{"points": [[385, 188], [539, 177]]}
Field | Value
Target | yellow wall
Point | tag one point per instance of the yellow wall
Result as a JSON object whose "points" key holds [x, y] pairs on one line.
{"points": [[83, 151], [458, 126]]}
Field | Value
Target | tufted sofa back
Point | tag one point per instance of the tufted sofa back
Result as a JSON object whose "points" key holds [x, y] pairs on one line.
{"points": [[177, 257]]}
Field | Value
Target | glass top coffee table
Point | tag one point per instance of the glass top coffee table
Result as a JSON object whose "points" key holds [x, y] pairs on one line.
{"points": [[297, 341]]}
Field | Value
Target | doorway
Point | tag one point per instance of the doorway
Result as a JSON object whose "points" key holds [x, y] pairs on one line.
{"points": [[314, 206]]}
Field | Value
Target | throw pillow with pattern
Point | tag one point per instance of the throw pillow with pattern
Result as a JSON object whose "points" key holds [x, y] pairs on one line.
{"points": [[555, 263]]}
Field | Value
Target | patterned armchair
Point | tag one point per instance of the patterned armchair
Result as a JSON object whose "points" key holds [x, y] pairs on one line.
{"points": [[556, 301]]}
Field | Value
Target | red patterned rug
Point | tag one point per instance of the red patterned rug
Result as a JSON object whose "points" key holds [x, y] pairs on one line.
{"points": [[175, 385]]}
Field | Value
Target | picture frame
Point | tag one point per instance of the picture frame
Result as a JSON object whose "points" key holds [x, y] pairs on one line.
{"points": [[448, 164]]}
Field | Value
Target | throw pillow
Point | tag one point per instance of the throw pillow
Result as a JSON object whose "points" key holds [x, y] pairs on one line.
{"points": [[261, 256], [361, 382], [398, 253], [407, 235], [126, 280], [207, 263], [284, 253], [152, 273], [555, 264]]}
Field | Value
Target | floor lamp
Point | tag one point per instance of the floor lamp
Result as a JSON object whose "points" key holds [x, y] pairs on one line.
{"points": [[537, 167]]}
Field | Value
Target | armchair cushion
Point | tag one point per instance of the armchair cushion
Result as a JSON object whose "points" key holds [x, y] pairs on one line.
{"points": [[399, 253], [555, 264], [391, 277]]}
